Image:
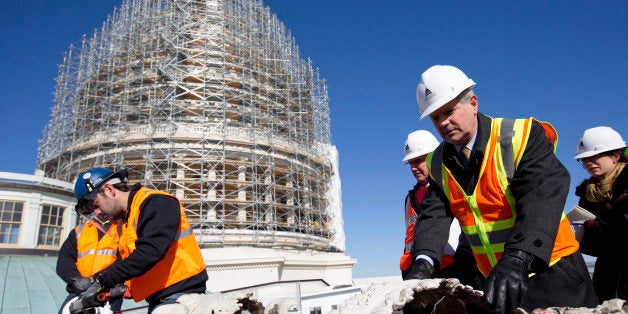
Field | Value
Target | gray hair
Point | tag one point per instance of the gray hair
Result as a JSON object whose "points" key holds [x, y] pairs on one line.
{"points": [[465, 95]]}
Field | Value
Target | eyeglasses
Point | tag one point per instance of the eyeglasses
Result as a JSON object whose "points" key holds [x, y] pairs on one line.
{"points": [[86, 206], [592, 158]]}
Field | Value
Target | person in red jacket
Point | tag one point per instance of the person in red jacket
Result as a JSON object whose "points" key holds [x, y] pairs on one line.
{"points": [[457, 260]]}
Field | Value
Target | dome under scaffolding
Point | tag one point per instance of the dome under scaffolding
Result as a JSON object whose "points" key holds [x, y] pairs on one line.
{"points": [[210, 101]]}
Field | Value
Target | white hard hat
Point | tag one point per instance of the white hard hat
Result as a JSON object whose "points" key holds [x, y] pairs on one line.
{"points": [[419, 143], [598, 140], [439, 85]]}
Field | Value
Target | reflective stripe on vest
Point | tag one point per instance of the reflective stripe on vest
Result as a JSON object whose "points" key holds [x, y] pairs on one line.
{"points": [[94, 255], [410, 217], [488, 215], [99, 252], [82, 254], [405, 262], [183, 259]]}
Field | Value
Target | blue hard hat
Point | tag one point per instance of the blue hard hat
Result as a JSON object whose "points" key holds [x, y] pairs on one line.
{"points": [[88, 182]]}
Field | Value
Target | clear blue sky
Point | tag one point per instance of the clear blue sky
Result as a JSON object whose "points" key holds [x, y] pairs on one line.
{"points": [[565, 62]]}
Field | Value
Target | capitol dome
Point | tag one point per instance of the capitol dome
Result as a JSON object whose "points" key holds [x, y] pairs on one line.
{"points": [[212, 102]]}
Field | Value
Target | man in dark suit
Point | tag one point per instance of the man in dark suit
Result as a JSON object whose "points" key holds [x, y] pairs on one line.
{"points": [[501, 179]]}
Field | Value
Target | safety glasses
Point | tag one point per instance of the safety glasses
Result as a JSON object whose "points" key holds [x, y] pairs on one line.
{"points": [[593, 158], [85, 207], [87, 204]]}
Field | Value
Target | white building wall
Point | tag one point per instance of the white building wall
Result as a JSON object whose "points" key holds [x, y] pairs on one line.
{"points": [[34, 191], [264, 270]]}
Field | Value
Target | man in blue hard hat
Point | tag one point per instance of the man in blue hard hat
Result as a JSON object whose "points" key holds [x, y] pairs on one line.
{"points": [[160, 256], [88, 249]]}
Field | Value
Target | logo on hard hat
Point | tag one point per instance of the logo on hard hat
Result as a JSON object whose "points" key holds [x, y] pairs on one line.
{"points": [[91, 184], [428, 92], [88, 183]]}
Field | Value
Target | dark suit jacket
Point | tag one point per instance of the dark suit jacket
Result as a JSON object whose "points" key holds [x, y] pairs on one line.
{"points": [[540, 186]]}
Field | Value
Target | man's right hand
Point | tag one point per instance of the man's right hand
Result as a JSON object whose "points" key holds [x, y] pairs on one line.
{"points": [[88, 299], [90, 296], [506, 284], [81, 284], [421, 269], [93, 289]]}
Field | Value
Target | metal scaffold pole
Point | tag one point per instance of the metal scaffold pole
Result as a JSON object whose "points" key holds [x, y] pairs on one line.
{"points": [[212, 102]]}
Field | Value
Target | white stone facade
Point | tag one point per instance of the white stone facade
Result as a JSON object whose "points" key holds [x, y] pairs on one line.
{"points": [[272, 273], [34, 192]]}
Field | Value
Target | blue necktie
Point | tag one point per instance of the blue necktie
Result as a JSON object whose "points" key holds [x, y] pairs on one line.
{"points": [[465, 153]]}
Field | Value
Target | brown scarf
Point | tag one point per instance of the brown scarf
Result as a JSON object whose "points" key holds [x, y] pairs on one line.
{"points": [[600, 191]]}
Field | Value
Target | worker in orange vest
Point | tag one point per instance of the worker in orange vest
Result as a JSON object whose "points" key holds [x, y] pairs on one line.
{"points": [[89, 248], [161, 259], [457, 260], [503, 183]]}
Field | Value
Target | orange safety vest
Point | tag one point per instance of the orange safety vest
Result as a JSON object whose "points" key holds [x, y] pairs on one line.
{"points": [[183, 259], [405, 262], [488, 215], [94, 255]]}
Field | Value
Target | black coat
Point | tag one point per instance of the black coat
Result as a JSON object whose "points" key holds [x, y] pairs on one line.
{"points": [[539, 185], [66, 261], [68, 254], [157, 226], [610, 238]]}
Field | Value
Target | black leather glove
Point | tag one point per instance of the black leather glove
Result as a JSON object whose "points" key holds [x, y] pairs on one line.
{"points": [[88, 299], [90, 296], [421, 269], [93, 289], [506, 284], [80, 284], [118, 291]]}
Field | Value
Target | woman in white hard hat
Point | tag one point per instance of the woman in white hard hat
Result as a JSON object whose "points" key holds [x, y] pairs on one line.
{"points": [[605, 194]]}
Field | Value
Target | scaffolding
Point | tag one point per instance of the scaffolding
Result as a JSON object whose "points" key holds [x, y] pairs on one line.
{"points": [[210, 101]]}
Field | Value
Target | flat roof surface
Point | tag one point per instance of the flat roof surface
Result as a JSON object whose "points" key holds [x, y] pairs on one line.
{"points": [[29, 284]]}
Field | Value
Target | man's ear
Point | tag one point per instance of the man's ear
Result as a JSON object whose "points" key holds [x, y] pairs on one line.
{"points": [[109, 190], [473, 101]]}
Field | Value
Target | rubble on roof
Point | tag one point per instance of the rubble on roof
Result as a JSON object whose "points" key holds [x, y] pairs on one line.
{"points": [[444, 296]]}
